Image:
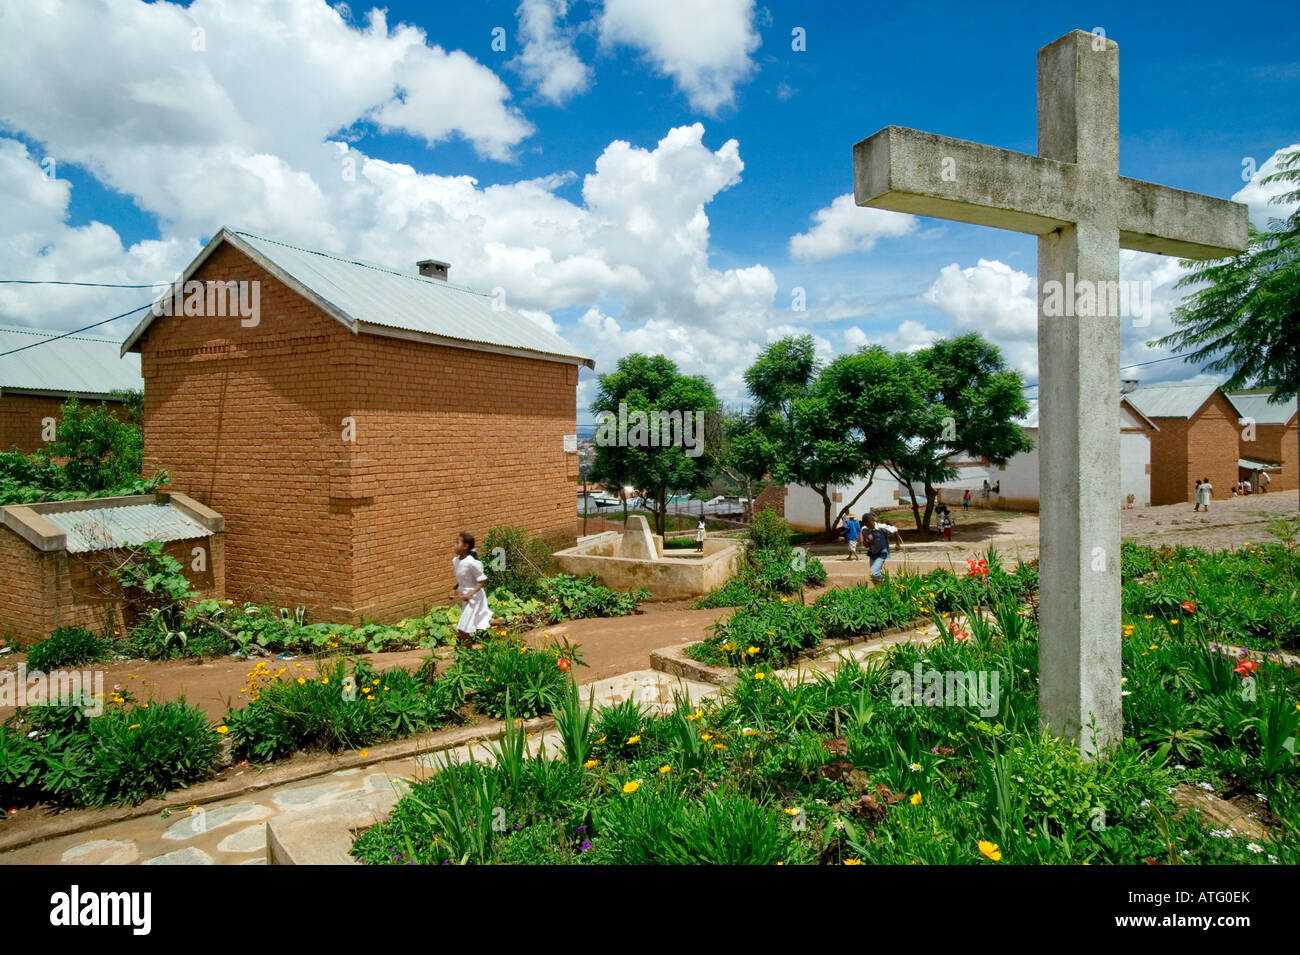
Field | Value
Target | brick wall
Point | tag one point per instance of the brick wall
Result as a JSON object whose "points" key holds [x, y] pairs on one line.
{"points": [[1276, 443], [771, 497], [1185, 450], [45, 590], [21, 418], [250, 421]]}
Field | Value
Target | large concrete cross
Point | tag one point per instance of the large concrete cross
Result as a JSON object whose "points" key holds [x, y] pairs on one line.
{"points": [[1072, 197]]}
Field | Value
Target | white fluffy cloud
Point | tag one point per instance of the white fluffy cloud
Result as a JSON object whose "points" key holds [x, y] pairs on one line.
{"points": [[910, 336], [547, 61], [704, 48], [843, 226], [1259, 195]]}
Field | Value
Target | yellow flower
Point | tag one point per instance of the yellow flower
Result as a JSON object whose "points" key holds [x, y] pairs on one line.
{"points": [[665, 769], [695, 716], [752, 650], [523, 649], [1154, 647], [719, 746], [729, 645], [760, 676], [853, 862], [601, 740], [792, 811], [590, 764], [325, 679], [301, 681], [749, 731], [990, 850], [785, 600], [916, 799], [631, 787], [223, 730], [365, 752], [706, 736], [134, 726], [1148, 616], [632, 740], [297, 666]]}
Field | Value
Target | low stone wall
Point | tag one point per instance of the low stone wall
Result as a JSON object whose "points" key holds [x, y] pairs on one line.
{"points": [[666, 578]]}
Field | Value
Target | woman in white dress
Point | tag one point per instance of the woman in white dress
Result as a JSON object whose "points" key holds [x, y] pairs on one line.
{"points": [[470, 579]]}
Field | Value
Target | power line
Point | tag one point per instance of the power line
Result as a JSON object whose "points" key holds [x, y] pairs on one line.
{"points": [[77, 331], [82, 284], [1139, 364]]}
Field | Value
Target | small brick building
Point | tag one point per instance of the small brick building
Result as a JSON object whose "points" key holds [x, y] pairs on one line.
{"points": [[36, 381], [1198, 438], [352, 426], [54, 558], [1273, 443]]}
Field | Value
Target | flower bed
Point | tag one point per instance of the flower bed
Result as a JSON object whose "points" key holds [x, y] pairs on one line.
{"points": [[866, 765]]}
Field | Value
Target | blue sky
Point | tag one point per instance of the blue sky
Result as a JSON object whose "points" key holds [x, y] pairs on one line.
{"points": [[743, 140]]}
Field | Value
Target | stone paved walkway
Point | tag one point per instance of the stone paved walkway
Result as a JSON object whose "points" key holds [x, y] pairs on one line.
{"points": [[233, 831]]}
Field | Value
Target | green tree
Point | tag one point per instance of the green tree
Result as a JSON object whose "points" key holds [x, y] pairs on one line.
{"points": [[970, 403], [1242, 313], [822, 426], [652, 430], [743, 454], [101, 450]]}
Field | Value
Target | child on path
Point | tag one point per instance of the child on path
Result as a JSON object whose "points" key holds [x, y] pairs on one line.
{"points": [[945, 522], [470, 579], [700, 533], [877, 536], [852, 534]]}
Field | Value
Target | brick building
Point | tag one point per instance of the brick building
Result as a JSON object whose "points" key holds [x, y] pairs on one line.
{"points": [[1198, 438], [355, 423], [35, 381], [55, 557], [1267, 438]]}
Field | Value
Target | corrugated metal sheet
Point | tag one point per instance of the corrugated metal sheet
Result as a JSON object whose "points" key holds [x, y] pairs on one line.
{"points": [[1171, 401], [381, 296], [1257, 408], [81, 364], [129, 526], [1250, 465]]}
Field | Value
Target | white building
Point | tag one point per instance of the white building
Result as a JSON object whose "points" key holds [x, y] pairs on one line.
{"points": [[1018, 479], [805, 510]]}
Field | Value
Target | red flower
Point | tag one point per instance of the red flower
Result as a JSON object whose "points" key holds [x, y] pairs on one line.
{"points": [[977, 568], [1189, 606], [1151, 861], [1246, 667], [563, 664], [960, 634]]}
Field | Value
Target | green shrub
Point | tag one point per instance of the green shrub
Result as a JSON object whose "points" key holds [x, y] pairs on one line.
{"points": [[768, 529], [772, 632], [342, 707], [534, 678], [68, 647], [572, 598], [515, 561]]}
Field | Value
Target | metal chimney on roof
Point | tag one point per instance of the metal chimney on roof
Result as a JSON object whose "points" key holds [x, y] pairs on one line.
{"points": [[1127, 385], [432, 268]]}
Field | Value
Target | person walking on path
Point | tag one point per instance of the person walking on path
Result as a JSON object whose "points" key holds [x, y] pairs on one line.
{"points": [[945, 522], [470, 579], [1196, 497], [701, 532], [1205, 491], [877, 535], [1264, 481], [965, 499], [852, 534]]}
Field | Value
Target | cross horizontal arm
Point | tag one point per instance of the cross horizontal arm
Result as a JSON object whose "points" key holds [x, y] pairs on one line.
{"points": [[1187, 224], [907, 170]]}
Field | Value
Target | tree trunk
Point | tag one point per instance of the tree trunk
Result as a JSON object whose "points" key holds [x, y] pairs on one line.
{"points": [[826, 504], [930, 495]]}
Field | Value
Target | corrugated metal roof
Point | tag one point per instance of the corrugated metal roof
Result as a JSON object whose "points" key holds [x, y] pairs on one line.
{"points": [[1176, 400], [359, 292], [101, 528], [1250, 465], [79, 364], [1257, 408], [1030, 420]]}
